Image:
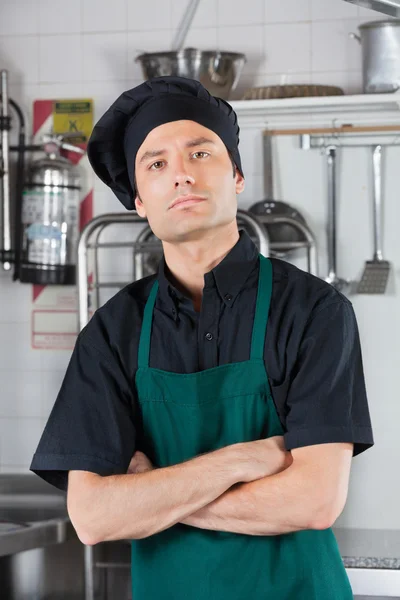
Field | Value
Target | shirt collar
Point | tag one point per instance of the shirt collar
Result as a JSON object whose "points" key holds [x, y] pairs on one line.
{"points": [[229, 275]]}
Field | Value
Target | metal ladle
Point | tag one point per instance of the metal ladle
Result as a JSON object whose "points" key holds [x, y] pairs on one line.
{"points": [[332, 278], [184, 25]]}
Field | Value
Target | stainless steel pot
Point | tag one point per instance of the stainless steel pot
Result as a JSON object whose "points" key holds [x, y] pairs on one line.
{"points": [[380, 46], [218, 71]]}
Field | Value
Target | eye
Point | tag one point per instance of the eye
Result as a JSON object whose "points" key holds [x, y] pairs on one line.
{"points": [[204, 154], [157, 165]]}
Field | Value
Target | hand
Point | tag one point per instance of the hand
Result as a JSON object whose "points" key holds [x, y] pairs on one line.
{"points": [[262, 458], [140, 463]]}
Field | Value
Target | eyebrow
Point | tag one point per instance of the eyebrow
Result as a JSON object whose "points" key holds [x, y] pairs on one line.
{"points": [[190, 144]]}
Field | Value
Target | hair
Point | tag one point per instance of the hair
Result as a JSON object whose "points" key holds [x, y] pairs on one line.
{"points": [[233, 162], [229, 154]]}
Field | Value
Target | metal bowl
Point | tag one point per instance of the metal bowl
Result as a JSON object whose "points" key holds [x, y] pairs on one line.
{"points": [[219, 72]]}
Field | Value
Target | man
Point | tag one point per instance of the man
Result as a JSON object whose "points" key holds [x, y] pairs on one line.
{"points": [[209, 412]]}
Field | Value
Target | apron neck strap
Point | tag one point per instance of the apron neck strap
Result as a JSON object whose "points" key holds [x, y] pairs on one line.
{"points": [[145, 334], [264, 294], [260, 318]]}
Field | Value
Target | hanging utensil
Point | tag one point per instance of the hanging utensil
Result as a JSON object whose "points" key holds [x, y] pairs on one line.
{"points": [[376, 271], [279, 232], [184, 25], [332, 277]]}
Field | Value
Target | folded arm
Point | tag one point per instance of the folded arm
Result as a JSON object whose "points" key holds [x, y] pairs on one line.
{"points": [[309, 494]]}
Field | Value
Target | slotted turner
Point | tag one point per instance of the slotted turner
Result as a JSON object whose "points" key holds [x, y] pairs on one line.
{"points": [[376, 271]]}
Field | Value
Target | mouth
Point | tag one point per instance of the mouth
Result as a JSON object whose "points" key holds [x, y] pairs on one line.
{"points": [[187, 200]]}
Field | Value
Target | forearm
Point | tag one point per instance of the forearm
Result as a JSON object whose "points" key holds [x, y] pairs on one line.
{"points": [[281, 503], [135, 506]]}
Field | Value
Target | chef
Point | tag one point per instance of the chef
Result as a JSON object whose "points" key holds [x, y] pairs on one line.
{"points": [[209, 412]]}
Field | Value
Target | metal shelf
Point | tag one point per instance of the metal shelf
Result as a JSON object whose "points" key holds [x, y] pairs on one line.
{"points": [[358, 108]]}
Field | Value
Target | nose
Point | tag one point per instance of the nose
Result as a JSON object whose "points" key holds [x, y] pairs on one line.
{"points": [[182, 176]]}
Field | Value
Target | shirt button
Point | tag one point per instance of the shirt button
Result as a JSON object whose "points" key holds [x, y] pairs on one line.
{"points": [[228, 297], [209, 336], [173, 311]]}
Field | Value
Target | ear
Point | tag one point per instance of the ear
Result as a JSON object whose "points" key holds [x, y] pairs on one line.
{"points": [[140, 209], [239, 182]]}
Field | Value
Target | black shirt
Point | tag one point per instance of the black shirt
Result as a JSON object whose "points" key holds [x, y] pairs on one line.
{"points": [[312, 357]]}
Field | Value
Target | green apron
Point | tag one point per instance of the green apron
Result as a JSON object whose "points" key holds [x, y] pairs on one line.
{"points": [[184, 415]]}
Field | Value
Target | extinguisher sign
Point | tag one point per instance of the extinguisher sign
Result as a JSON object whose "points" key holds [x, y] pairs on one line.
{"points": [[53, 329], [54, 315]]}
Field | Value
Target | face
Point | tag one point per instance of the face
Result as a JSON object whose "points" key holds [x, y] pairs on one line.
{"points": [[184, 177]]}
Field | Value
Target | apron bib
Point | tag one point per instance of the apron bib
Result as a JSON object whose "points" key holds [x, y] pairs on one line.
{"points": [[184, 415]]}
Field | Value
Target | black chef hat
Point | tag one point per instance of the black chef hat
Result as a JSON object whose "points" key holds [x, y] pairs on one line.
{"points": [[119, 133]]}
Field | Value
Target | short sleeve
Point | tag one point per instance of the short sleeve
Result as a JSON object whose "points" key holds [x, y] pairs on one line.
{"points": [[91, 425], [327, 399]]}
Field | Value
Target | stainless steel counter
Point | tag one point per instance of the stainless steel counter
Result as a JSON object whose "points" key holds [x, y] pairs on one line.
{"points": [[369, 548], [33, 514], [35, 528], [40, 554]]}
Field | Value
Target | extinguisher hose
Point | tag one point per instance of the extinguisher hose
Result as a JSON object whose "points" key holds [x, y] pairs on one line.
{"points": [[19, 188]]}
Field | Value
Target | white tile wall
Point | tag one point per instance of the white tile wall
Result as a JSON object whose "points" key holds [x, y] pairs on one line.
{"points": [[20, 55], [248, 39], [21, 395], [19, 18], [149, 15], [290, 11], [60, 58], [323, 10], [57, 16], [287, 49], [333, 37], [104, 56], [204, 38], [206, 13], [86, 48], [102, 15], [240, 13]]}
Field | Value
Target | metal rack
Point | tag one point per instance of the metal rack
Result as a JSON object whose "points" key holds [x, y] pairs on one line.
{"points": [[329, 140], [145, 243]]}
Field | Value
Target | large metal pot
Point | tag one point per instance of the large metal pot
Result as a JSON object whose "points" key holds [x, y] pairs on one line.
{"points": [[218, 71], [380, 45]]}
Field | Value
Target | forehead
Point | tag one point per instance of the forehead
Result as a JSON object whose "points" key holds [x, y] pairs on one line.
{"points": [[174, 132]]}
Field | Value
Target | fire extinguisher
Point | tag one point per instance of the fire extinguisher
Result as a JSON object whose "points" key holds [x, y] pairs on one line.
{"points": [[50, 216]]}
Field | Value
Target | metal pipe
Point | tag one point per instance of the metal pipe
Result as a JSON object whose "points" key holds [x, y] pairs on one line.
{"points": [[96, 266], [332, 277], [87, 231], [138, 262], [377, 170], [21, 149], [19, 190], [89, 572], [259, 230], [5, 224], [331, 228]]}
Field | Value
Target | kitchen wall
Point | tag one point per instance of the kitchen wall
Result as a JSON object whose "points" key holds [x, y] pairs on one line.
{"points": [[86, 48]]}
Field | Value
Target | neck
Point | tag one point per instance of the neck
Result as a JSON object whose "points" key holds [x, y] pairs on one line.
{"points": [[188, 261]]}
